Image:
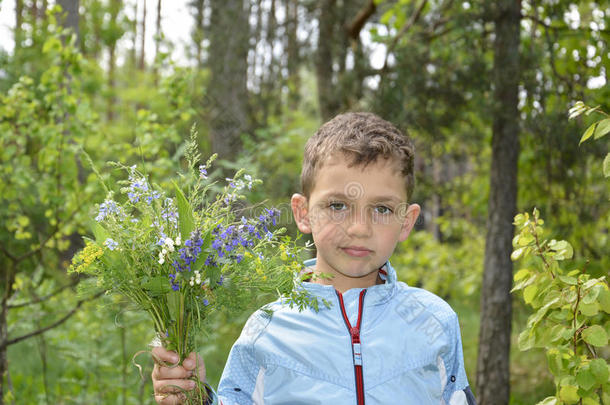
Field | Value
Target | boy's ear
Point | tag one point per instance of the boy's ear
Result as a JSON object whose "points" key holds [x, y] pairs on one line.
{"points": [[300, 211], [409, 221]]}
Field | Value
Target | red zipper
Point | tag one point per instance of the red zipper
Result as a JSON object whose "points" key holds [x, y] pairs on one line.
{"points": [[355, 334]]}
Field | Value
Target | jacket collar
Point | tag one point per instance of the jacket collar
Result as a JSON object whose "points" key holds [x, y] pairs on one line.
{"points": [[375, 295]]}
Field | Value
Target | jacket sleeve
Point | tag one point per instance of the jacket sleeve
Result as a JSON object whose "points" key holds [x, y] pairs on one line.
{"points": [[457, 391], [238, 384]]}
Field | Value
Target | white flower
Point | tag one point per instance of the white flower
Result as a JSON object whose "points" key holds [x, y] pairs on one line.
{"points": [[161, 258], [169, 242], [178, 241]]}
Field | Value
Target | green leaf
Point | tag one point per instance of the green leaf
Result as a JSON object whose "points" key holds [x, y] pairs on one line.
{"points": [[599, 369], [592, 294], [588, 133], [173, 304], [595, 335], [554, 361], [568, 280], [529, 293], [588, 309], [548, 401], [521, 274], [526, 340], [590, 401], [603, 127], [604, 300], [569, 394], [606, 166], [185, 214], [517, 253], [562, 248], [157, 285], [100, 233], [585, 378]]}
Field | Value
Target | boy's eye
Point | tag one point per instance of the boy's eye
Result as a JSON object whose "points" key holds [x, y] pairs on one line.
{"points": [[382, 209], [337, 206]]}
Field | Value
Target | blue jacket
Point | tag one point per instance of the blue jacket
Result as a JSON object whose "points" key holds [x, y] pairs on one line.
{"points": [[386, 344]]}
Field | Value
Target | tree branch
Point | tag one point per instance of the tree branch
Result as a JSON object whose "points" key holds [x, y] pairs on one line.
{"points": [[355, 26], [560, 27], [8, 254], [414, 17], [51, 326], [46, 297]]}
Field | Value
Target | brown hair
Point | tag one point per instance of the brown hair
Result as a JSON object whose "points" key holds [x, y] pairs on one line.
{"points": [[363, 137]]}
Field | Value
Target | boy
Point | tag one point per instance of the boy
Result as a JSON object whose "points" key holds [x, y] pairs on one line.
{"points": [[380, 341]]}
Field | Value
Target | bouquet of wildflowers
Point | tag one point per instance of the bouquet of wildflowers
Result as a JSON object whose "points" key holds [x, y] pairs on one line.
{"points": [[179, 254]]}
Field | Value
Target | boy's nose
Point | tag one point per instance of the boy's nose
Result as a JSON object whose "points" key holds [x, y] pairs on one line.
{"points": [[359, 224]]}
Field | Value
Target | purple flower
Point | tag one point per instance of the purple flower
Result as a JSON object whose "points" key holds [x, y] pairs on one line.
{"points": [[203, 173]]}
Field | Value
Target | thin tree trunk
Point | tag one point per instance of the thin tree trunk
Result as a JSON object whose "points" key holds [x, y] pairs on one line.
{"points": [[157, 43], [70, 7], [18, 25], [42, 350], [123, 332], [134, 44], [492, 381], [292, 50], [198, 31], [115, 7], [143, 38], [327, 90], [227, 92], [7, 292]]}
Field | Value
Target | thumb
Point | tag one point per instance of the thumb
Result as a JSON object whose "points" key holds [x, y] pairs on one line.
{"points": [[194, 362]]}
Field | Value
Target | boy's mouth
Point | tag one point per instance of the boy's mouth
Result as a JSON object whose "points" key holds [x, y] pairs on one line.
{"points": [[356, 251]]}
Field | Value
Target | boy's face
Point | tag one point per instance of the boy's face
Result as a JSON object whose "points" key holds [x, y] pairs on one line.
{"points": [[356, 216]]}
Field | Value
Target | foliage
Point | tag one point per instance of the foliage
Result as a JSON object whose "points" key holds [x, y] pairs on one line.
{"points": [[447, 269], [571, 318], [596, 130]]}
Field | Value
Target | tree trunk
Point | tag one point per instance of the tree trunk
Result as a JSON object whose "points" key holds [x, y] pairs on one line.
{"points": [[115, 8], [198, 31], [227, 91], [8, 277], [134, 27], [492, 380], [18, 24], [327, 90], [292, 51], [143, 38], [70, 8], [157, 43]]}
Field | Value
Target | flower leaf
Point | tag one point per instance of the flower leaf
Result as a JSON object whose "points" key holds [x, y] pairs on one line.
{"points": [[185, 214]]}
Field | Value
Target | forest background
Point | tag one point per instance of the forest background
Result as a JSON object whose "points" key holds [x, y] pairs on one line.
{"points": [[483, 88]]}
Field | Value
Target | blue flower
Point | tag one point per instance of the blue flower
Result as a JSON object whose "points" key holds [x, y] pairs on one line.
{"points": [[206, 302], [111, 244], [203, 173], [107, 208]]}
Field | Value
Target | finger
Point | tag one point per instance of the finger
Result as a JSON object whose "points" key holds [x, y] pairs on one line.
{"points": [[194, 363], [171, 399], [169, 373], [165, 355], [173, 386]]}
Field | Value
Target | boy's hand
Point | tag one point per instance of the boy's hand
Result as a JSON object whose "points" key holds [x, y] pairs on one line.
{"points": [[166, 380]]}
